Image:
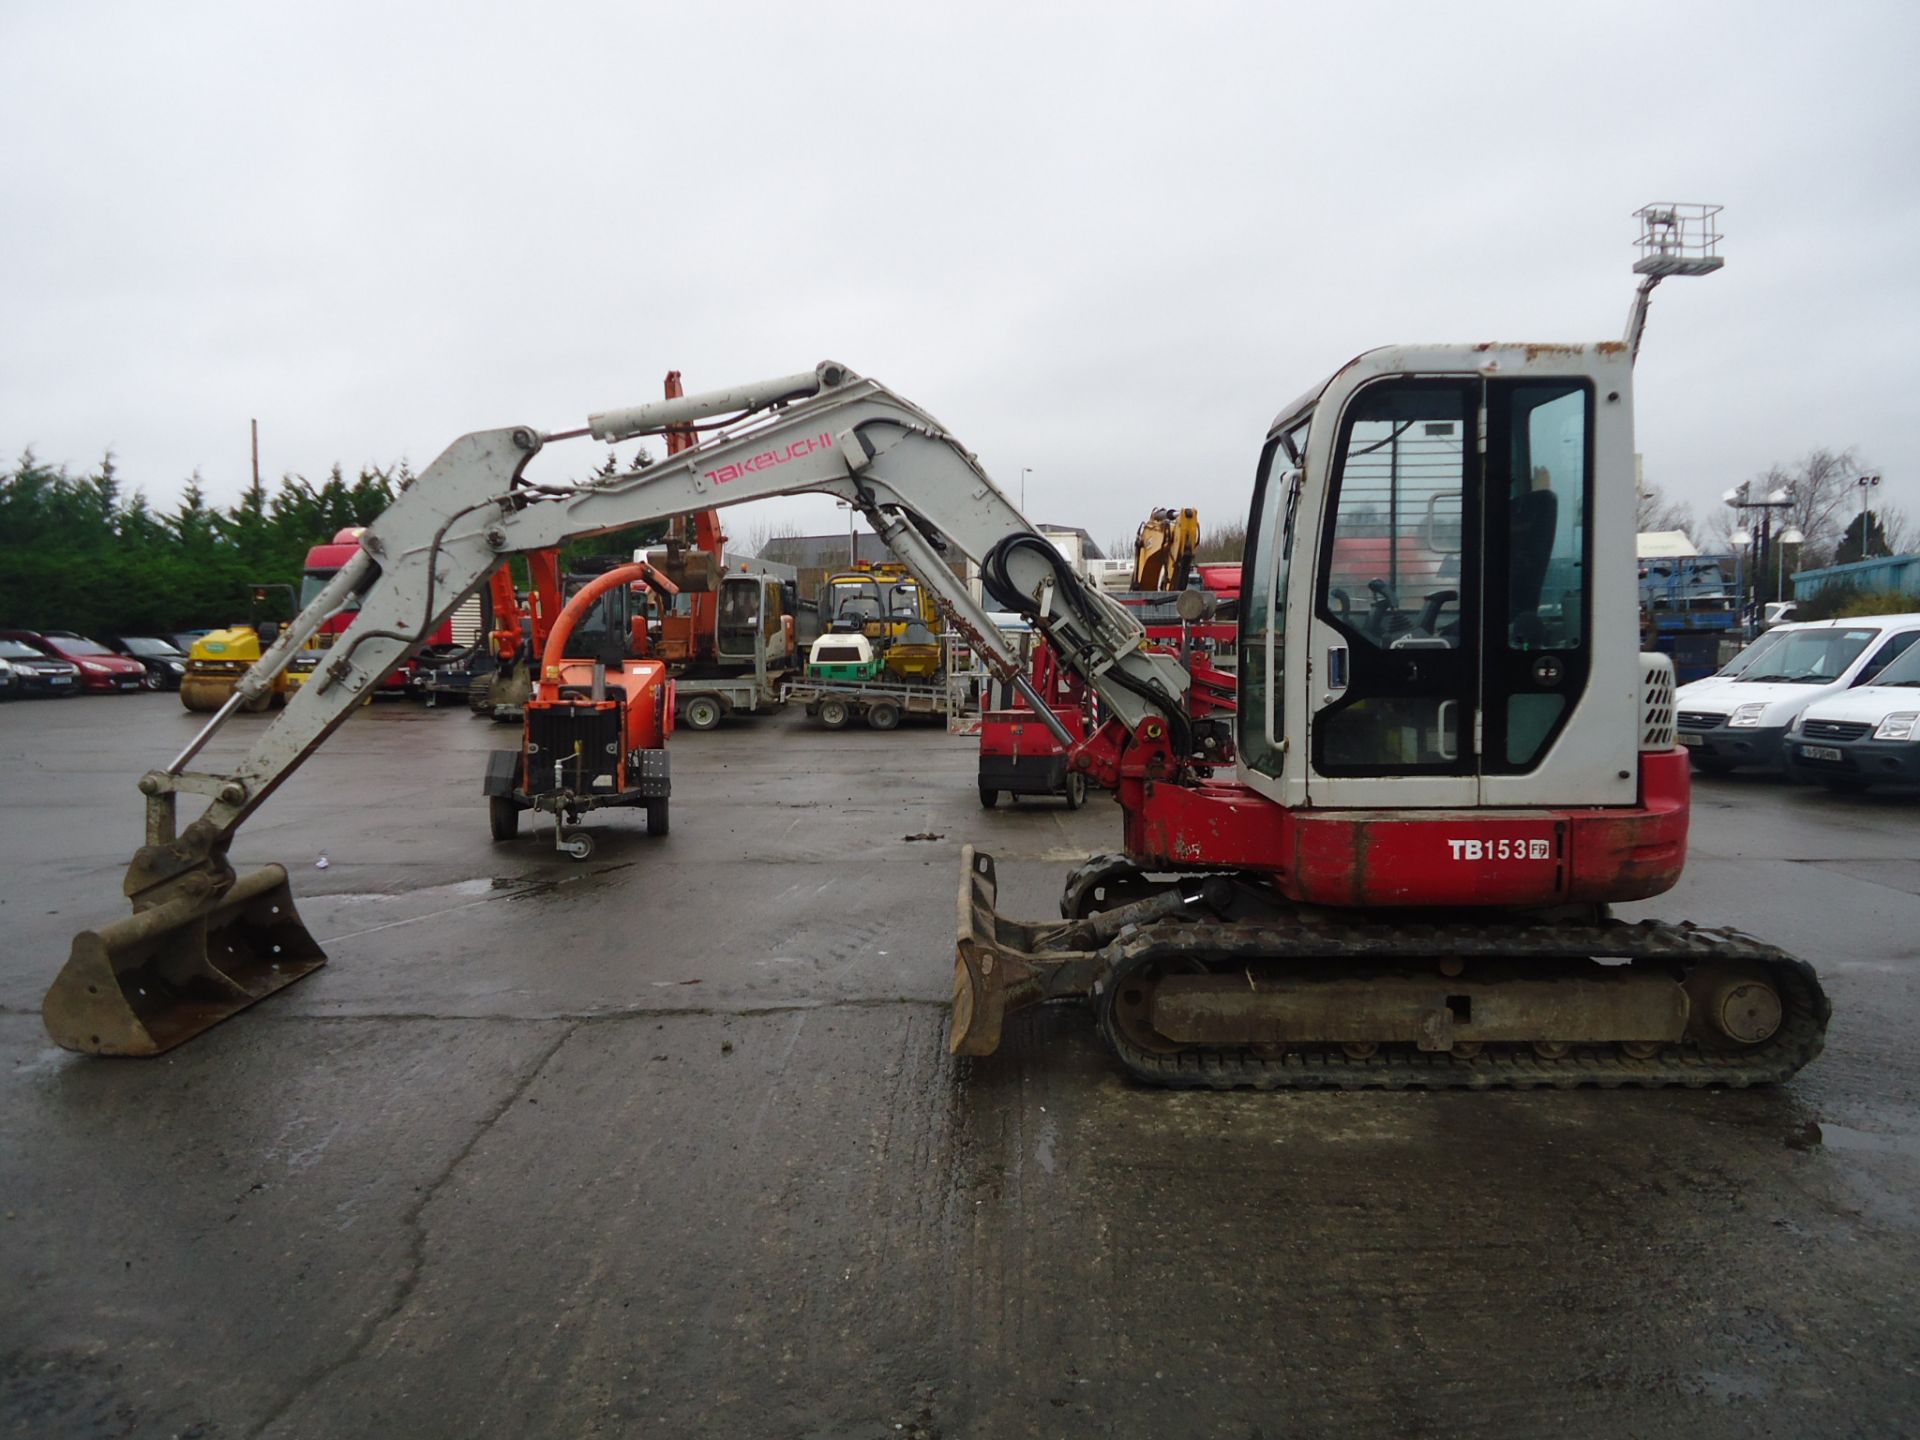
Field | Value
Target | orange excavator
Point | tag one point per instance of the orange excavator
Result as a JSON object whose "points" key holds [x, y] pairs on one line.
{"points": [[695, 565], [520, 631], [1163, 549], [730, 639], [685, 634]]}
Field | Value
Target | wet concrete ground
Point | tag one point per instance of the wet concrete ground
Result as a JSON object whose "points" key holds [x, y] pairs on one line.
{"points": [[668, 1144]]}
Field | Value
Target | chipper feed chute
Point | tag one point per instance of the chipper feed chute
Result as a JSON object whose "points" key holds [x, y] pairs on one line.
{"points": [[142, 985]]}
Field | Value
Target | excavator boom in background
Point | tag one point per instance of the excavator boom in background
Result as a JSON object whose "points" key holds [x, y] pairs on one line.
{"points": [[1164, 548]]}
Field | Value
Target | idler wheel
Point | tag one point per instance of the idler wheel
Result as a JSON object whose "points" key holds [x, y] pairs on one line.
{"points": [[1124, 1004], [1746, 1011]]}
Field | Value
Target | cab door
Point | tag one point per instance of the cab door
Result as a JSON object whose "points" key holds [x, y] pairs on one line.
{"points": [[1450, 606], [1393, 669], [737, 627]]}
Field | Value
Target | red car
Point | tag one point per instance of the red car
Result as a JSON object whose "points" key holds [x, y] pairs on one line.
{"points": [[100, 668]]}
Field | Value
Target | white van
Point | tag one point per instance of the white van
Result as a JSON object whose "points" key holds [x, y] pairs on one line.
{"points": [[1863, 736], [1740, 716]]}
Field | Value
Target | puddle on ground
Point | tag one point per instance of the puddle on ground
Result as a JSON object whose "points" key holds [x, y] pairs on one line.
{"points": [[1721, 1386], [486, 885], [1867, 1142], [1846, 1140], [1043, 1146]]}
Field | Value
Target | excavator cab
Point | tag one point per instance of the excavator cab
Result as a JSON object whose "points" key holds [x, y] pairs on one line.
{"points": [[752, 628], [1418, 630]]}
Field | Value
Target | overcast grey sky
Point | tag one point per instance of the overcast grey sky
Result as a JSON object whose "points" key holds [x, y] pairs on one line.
{"points": [[1104, 241]]}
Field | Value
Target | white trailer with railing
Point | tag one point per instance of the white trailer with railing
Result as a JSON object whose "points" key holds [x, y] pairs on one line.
{"points": [[837, 704]]}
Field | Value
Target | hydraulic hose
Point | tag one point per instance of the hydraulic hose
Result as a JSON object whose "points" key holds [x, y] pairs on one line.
{"points": [[1072, 592]]}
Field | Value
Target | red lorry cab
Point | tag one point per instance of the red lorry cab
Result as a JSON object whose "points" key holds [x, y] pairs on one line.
{"points": [[323, 563]]}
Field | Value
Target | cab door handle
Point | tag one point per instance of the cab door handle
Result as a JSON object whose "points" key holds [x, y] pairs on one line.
{"points": [[1336, 667]]}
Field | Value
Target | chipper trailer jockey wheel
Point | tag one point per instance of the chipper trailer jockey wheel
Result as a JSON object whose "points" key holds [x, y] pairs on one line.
{"points": [[1448, 756]]}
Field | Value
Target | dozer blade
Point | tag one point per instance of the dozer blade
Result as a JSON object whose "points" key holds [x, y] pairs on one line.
{"points": [[1001, 965], [142, 985], [979, 993]]}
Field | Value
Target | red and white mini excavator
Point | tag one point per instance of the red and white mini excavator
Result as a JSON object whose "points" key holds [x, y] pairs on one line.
{"points": [[1390, 866]]}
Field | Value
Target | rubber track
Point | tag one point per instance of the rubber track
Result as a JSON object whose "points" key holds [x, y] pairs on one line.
{"points": [[1799, 1039]]}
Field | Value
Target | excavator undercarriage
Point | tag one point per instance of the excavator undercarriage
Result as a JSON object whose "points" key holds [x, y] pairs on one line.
{"points": [[1214, 982]]}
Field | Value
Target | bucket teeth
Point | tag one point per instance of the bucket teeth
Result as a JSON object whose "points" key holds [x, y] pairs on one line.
{"points": [[143, 985]]}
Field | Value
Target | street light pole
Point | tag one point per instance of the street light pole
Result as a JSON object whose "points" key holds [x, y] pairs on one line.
{"points": [[1740, 540], [1867, 484], [1766, 544], [1760, 537], [853, 547], [1789, 536]]}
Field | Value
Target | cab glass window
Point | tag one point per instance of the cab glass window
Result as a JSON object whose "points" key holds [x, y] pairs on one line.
{"points": [[903, 600], [1757, 651], [1263, 615], [1546, 510], [854, 603], [1393, 560]]}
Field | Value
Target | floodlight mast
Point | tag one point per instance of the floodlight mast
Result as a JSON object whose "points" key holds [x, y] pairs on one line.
{"points": [[1676, 238]]}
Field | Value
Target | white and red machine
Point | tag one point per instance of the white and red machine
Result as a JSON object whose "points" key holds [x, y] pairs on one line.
{"points": [[1447, 755]]}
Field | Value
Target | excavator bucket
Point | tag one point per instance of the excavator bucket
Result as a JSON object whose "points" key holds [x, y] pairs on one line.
{"points": [[142, 985]]}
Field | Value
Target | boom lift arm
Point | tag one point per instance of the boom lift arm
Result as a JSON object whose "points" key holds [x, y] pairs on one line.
{"points": [[826, 430]]}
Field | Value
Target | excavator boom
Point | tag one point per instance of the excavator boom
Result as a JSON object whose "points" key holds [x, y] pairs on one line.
{"points": [[197, 954]]}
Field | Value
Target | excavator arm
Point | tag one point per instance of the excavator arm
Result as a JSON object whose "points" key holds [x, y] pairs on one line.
{"points": [[203, 944]]}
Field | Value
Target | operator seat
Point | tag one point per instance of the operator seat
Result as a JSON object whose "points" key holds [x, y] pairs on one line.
{"points": [[1534, 516]]}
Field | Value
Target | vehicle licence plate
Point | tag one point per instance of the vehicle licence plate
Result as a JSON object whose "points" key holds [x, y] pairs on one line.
{"points": [[1686, 739], [1820, 752], [60, 680]]}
